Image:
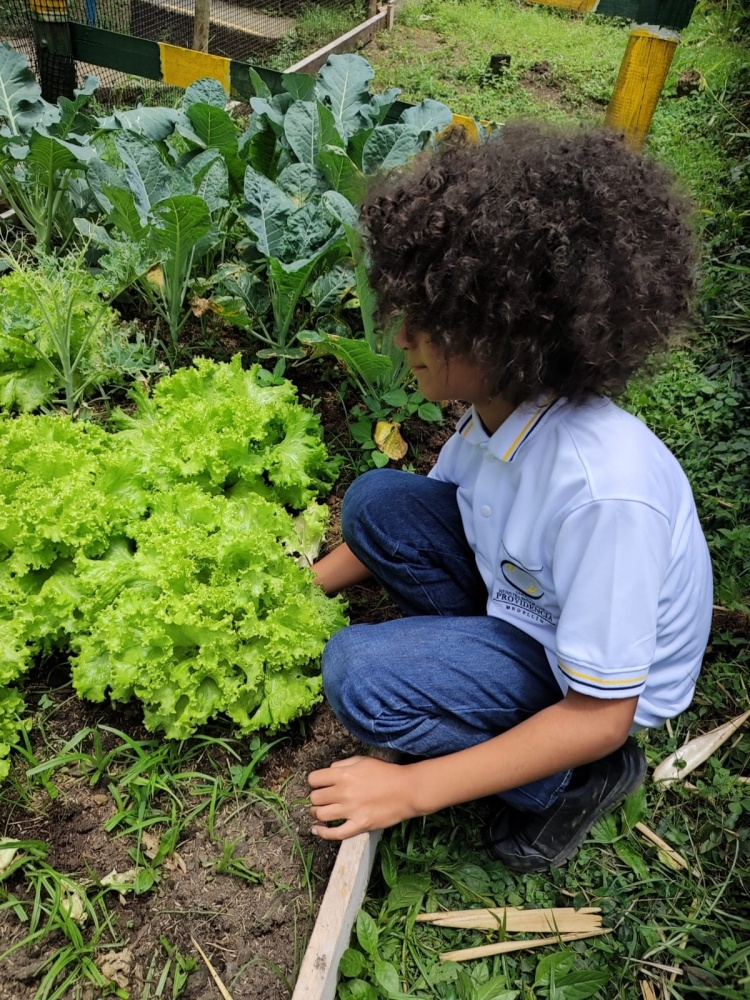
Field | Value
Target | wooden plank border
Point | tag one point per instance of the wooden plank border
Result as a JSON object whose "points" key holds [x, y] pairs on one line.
{"points": [[360, 35], [343, 897]]}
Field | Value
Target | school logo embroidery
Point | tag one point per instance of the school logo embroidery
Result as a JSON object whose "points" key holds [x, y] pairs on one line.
{"points": [[521, 579], [524, 597]]}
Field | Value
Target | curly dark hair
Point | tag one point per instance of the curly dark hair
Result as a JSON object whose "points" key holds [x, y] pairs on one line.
{"points": [[554, 259]]}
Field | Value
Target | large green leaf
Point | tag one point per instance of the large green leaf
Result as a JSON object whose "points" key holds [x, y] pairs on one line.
{"points": [[329, 133], [209, 178], [152, 123], [265, 212], [52, 155], [21, 104], [329, 290], [205, 91], [147, 175], [124, 213], [356, 144], [428, 116], [300, 181], [306, 231], [391, 146], [343, 86], [213, 126], [342, 173], [259, 149], [259, 85], [356, 355], [102, 176], [300, 85], [302, 131], [180, 225]]}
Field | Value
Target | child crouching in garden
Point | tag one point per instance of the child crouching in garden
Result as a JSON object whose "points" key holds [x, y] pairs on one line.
{"points": [[553, 575]]}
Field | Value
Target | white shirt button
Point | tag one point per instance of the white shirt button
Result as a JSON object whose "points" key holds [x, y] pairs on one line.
{"points": [[485, 511]]}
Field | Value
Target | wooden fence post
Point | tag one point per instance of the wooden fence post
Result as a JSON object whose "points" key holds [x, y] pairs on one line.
{"points": [[201, 25], [643, 71], [57, 71]]}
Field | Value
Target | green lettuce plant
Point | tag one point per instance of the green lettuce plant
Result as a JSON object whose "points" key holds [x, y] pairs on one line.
{"points": [[170, 555]]}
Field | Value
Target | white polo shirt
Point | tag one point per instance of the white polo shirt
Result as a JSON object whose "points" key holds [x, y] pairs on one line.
{"points": [[586, 534]]}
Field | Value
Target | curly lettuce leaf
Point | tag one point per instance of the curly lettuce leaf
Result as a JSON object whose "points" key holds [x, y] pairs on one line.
{"points": [[210, 607], [215, 425]]}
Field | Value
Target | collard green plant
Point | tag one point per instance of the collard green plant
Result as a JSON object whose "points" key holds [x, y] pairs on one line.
{"points": [[158, 222], [308, 154], [166, 555], [44, 151]]}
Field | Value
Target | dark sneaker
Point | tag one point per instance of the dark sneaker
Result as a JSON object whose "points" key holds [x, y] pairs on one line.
{"points": [[535, 842]]}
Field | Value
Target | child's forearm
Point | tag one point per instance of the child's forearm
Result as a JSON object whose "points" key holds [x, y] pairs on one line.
{"points": [[339, 569], [574, 731], [369, 794]]}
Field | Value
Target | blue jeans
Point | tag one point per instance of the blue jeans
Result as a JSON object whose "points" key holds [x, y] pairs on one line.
{"points": [[447, 676]]}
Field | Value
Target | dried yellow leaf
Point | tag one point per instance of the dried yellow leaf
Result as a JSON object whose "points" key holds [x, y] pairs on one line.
{"points": [[155, 276], [388, 438], [199, 306]]}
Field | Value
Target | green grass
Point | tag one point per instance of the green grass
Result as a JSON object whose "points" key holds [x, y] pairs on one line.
{"points": [[314, 27], [442, 50], [694, 920]]}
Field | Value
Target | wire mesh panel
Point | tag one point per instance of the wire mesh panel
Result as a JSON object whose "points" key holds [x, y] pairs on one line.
{"points": [[274, 33], [15, 27]]}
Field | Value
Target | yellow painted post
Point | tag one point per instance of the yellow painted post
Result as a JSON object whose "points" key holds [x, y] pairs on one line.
{"points": [[642, 74]]}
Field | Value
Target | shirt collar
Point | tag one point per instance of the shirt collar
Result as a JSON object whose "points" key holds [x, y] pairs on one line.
{"points": [[513, 432]]}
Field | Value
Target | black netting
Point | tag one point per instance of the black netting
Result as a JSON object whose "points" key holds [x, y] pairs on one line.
{"points": [[274, 33]]}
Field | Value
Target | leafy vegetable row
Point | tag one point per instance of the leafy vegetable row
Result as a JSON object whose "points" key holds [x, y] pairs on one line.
{"points": [[255, 225]]}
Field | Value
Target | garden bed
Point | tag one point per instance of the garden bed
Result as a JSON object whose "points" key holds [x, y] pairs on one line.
{"points": [[209, 836]]}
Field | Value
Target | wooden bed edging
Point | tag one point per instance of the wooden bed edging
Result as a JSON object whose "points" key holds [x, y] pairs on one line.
{"points": [[343, 897], [358, 36]]}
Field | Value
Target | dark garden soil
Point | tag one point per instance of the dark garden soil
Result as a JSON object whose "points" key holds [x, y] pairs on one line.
{"points": [[253, 934]]}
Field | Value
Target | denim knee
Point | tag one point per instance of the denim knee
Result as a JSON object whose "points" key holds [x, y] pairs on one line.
{"points": [[346, 679], [363, 501]]}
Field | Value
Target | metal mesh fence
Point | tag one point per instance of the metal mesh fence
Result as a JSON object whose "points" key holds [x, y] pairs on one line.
{"points": [[273, 33]]}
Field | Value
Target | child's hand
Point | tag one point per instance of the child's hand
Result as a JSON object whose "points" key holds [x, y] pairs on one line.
{"points": [[366, 793]]}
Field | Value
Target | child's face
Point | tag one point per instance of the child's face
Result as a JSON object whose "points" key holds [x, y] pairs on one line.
{"points": [[439, 377], [442, 378]]}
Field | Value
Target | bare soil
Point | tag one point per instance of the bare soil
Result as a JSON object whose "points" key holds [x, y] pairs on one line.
{"points": [[253, 934]]}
